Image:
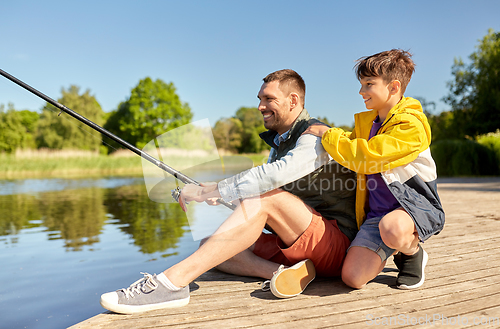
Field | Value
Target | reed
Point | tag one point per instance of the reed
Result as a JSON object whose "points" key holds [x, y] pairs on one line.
{"points": [[79, 163], [66, 164]]}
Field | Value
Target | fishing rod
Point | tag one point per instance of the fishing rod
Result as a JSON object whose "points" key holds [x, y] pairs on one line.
{"points": [[177, 174]]}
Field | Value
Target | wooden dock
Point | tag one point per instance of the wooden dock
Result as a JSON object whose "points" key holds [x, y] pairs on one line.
{"points": [[462, 287]]}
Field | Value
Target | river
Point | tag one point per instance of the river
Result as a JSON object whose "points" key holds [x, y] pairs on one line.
{"points": [[64, 242]]}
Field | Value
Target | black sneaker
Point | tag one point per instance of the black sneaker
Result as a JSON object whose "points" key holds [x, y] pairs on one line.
{"points": [[146, 294], [411, 269], [397, 260]]}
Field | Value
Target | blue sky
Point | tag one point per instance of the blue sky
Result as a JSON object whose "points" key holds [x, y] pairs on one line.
{"points": [[217, 52]]}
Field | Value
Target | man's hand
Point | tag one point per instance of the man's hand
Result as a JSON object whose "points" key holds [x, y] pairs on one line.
{"points": [[207, 192], [316, 130]]}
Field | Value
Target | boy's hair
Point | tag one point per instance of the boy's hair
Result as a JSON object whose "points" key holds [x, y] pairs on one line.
{"points": [[395, 64], [289, 81]]}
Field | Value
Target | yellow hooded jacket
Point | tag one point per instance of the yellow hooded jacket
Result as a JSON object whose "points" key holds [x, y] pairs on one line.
{"points": [[400, 152]]}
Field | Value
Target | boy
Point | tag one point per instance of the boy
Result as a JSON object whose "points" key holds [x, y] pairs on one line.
{"points": [[397, 204]]}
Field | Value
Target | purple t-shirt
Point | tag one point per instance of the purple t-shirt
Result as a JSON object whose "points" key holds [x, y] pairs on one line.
{"points": [[380, 199]]}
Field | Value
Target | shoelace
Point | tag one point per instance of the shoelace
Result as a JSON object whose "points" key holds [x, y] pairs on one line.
{"points": [[266, 285], [138, 286]]}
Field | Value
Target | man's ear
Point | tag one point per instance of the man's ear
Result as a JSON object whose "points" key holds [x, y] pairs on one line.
{"points": [[294, 100], [395, 87]]}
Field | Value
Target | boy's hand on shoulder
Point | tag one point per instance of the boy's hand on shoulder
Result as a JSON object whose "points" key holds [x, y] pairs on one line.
{"points": [[316, 130]]}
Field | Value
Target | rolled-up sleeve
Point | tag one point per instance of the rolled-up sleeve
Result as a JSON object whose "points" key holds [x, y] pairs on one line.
{"points": [[307, 156]]}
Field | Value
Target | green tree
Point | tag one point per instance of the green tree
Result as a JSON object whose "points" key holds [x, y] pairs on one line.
{"points": [[252, 125], [29, 120], [442, 126], [64, 132], [16, 128], [331, 124], [475, 91], [326, 121], [152, 109], [240, 133], [228, 134]]}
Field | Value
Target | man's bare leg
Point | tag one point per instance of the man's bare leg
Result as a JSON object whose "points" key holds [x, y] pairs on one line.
{"points": [[246, 263], [285, 213]]}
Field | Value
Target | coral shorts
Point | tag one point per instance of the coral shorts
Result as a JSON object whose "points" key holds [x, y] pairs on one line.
{"points": [[322, 242]]}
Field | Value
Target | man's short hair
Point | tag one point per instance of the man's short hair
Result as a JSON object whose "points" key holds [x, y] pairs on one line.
{"points": [[289, 81], [395, 64]]}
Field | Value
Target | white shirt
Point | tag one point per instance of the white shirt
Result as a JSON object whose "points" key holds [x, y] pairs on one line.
{"points": [[307, 155]]}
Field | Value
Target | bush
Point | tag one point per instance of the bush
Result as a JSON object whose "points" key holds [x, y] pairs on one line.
{"points": [[464, 158], [491, 141]]}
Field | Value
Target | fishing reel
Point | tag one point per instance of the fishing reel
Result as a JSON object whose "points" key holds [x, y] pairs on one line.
{"points": [[176, 193]]}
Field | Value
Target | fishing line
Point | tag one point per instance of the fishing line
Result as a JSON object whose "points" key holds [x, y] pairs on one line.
{"points": [[8, 90], [71, 122], [58, 113], [177, 174]]}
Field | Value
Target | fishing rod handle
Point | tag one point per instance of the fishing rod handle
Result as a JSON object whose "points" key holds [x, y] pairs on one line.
{"points": [[176, 194]]}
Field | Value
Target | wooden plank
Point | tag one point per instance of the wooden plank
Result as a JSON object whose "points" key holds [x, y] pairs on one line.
{"points": [[462, 279], [357, 300], [332, 312]]}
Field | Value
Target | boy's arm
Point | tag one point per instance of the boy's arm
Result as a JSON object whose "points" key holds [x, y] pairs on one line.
{"points": [[398, 145], [319, 129]]}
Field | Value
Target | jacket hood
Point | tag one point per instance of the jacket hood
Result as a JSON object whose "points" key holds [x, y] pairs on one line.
{"points": [[410, 106], [407, 106]]}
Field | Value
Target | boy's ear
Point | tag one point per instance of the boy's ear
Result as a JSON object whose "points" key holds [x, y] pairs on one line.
{"points": [[395, 87]]}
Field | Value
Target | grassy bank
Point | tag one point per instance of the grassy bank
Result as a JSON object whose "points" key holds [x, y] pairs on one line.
{"points": [[68, 164]]}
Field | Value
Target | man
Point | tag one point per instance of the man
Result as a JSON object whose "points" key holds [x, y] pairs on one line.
{"points": [[307, 201]]}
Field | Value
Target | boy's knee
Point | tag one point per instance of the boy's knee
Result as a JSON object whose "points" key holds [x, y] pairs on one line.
{"points": [[394, 235], [351, 277]]}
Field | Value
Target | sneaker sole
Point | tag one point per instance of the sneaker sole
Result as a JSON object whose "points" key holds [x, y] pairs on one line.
{"points": [[293, 280], [421, 282], [131, 309]]}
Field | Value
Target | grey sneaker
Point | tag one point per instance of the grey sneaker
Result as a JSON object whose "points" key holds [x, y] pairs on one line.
{"points": [[146, 294]]}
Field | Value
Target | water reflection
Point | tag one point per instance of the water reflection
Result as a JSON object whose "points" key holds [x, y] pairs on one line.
{"points": [[77, 216], [65, 242], [16, 213], [153, 226]]}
